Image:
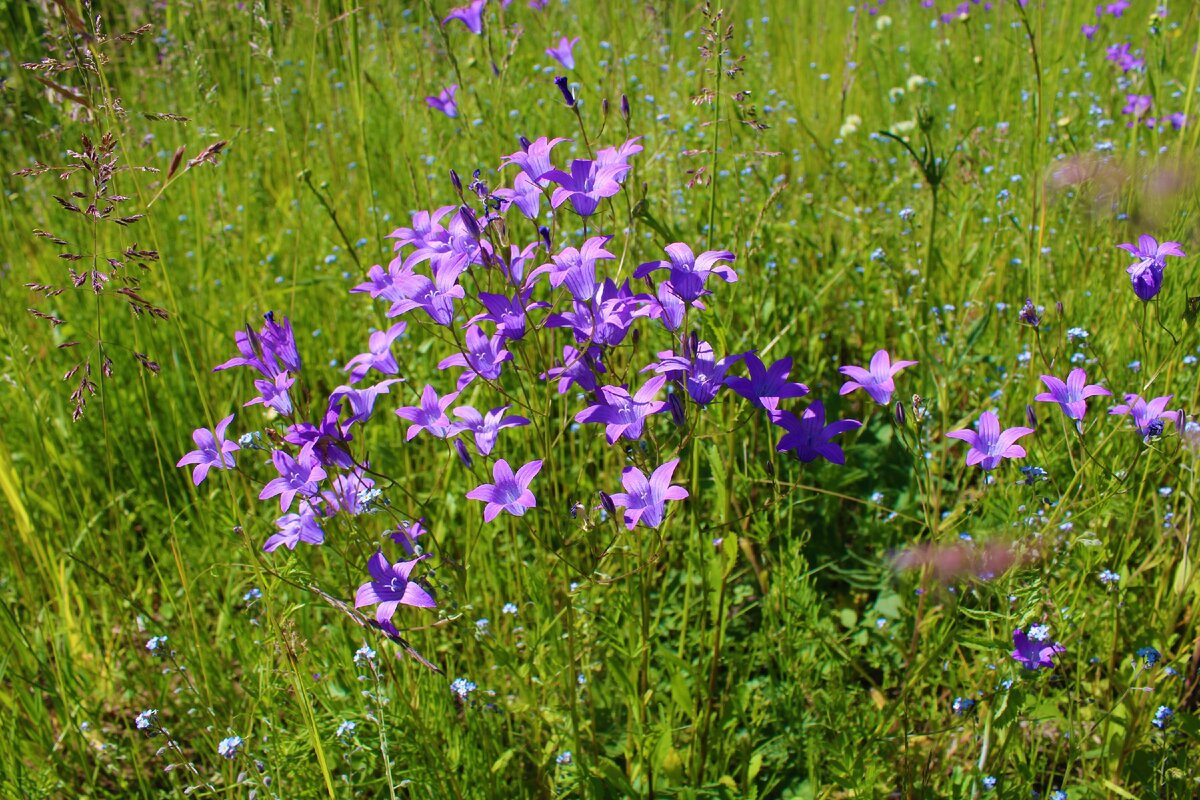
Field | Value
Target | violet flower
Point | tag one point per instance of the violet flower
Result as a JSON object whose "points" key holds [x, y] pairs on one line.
{"points": [[809, 436], [426, 227], [361, 401], [586, 185], [486, 427], [482, 357], [444, 101], [327, 443], [563, 52], [274, 393], [876, 381], [525, 195], [534, 158], [429, 416], [379, 354], [766, 386], [1148, 417], [1071, 396], [508, 313], [391, 586], [702, 374], [509, 492], [623, 414], [407, 533], [213, 450], [578, 369], [295, 528], [295, 477], [1033, 654], [577, 268], [1147, 272], [644, 500], [689, 272], [470, 15], [989, 445]]}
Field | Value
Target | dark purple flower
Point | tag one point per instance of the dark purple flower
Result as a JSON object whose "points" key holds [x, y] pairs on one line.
{"points": [[390, 586], [644, 500], [689, 271], [622, 414], [378, 356], [587, 184], [295, 477], [1148, 417], [989, 445], [508, 313], [407, 533], [1033, 654], [562, 53], [326, 443], [703, 374], [444, 101], [564, 86], [809, 436], [1071, 396], [1146, 274], [296, 528], [486, 427], [876, 381], [212, 450], [470, 15], [579, 368], [482, 357], [274, 393], [429, 416], [509, 492], [766, 386], [361, 401]]}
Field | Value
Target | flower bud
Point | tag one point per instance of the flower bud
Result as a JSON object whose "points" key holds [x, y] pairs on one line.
{"points": [[607, 501], [675, 404], [604, 107], [625, 109], [469, 220], [454, 179], [464, 455], [1031, 416], [901, 418], [545, 234], [561, 83], [525, 143]]}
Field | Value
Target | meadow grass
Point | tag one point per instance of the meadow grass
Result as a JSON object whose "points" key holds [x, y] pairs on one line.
{"points": [[764, 641]]}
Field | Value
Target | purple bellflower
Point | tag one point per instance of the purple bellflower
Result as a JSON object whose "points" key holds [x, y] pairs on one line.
{"points": [[444, 101], [579, 368], [213, 450], [391, 586], [809, 436], [1072, 395], [1148, 417], [563, 52], [990, 445], [327, 443], [689, 272], [510, 492], [1146, 273], [875, 381], [766, 386], [378, 356], [622, 414], [407, 533], [586, 185], [361, 401], [296, 528], [524, 194], [295, 477], [577, 268], [508, 313], [429, 416], [534, 158], [702, 373], [1033, 654], [274, 393], [482, 357], [486, 427], [644, 500], [470, 15]]}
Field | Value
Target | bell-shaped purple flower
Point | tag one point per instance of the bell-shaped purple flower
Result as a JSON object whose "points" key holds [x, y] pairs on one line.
{"points": [[808, 435], [510, 492], [689, 272], [1072, 395], [876, 381], [444, 101], [990, 445], [213, 451], [391, 586], [645, 500]]}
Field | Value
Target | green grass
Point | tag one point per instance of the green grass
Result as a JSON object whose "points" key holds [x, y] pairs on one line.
{"points": [[761, 644]]}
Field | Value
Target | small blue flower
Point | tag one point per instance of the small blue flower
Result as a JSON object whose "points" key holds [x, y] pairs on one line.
{"points": [[510, 609], [146, 719], [962, 705], [230, 746], [157, 645], [364, 655], [1148, 655], [989, 782], [1108, 577], [1162, 717], [563, 758], [346, 728], [462, 687]]}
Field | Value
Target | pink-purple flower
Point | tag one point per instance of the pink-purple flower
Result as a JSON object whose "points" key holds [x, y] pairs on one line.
{"points": [[391, 586], [623, 414], [379, 354], [645, 500], [296, 528], [470, 15], [1072, 394], [1033, 654], [1148, 416], [444, 101], [1146, 274], [808, 437], [990, 445], [296, 477], [877, 380], [510, 492], [562, 53], [213, 450], [429, 416]]}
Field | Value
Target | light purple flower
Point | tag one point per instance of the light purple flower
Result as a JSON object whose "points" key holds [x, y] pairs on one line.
{"points": [[1148, 417], [586, 185], [379, 354], [766, 386], [534, 158], [486, 427], [444, 101], [1071, 396], [689, 272], [1146, 274], [1137, 105], [509, 492], [407, 533], [702, 373], [644, 500], [361, 401], [470, 15], [989, 445], [212, 450], [562, 53], [508, 313], [577, 268], [526, 195], [295, 477], [809, 436], [296, 528], [429, 416], [876, 381], [482, 357], [1033, 654], [579, 369], [391, 586], [622, 414]]}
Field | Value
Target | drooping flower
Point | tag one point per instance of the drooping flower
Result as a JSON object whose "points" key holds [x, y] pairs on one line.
{"points": [[1148, 417], [510, 492], [390, 587], [429, 416], [1071, 396], [295, 477], [563, 52], [486, 427], [990, 445], [470, 15], [766, 386], [444, 101], [296, 528], [1033, 654], [212, 450], [1147, 272], [586, 185], [645, 500], [379, 354], [623, 414], [876, 381], [689, 272], [809, 436]]}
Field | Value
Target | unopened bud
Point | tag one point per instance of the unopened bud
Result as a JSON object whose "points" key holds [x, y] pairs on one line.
{"points": [[675, 404], [625, 109], [469, 220], [1031, 416], [454, 179], [564, 87], [545, 234], [464, 455], [607, 501], [901, 417], [525, 143]]}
